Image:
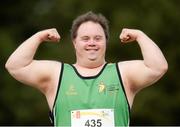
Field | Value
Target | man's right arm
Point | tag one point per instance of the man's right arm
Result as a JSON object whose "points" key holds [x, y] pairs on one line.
{"points": [[36, 73]]}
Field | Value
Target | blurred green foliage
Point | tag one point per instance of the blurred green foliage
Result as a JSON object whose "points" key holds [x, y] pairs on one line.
{"points": [[160, 19]]}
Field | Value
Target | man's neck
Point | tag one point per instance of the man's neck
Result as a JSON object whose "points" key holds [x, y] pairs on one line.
{"points": [[89, 65], [89, 69]]}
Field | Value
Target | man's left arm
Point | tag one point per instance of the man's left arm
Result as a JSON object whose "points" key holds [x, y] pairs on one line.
{"points": [[141, 73]]}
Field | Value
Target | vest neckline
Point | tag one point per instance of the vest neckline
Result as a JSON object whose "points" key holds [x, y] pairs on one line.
{"points": [[89, 77]]}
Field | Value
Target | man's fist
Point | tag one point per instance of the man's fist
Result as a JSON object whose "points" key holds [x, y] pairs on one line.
{"points": [[49, 35], [129, 35]]}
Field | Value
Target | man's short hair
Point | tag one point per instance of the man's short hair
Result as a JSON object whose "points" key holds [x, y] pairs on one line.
{"points": [[90, 16]]}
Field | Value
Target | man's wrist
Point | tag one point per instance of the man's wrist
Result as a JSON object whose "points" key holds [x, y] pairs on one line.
{"points": [[140, 35], [38, 37]]}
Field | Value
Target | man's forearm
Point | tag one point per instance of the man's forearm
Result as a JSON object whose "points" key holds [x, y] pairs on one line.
{"points": [[24, 54], [152, 55]]}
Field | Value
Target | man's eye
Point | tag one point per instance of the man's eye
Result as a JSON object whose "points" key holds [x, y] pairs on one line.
{"points": [[98, 38], [85, 39]]}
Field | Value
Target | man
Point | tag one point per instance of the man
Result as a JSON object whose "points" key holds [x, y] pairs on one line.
{"points": [[90, 92]]}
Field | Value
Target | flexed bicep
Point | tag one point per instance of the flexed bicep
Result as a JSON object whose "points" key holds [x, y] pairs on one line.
{"points": [[137, 75], [39, 74], [22, 66]]}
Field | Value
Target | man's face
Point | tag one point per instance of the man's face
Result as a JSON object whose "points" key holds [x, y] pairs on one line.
{"points": [[90, 43]]}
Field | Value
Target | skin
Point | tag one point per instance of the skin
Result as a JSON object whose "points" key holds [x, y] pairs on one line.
{"points": [[90, 47]]}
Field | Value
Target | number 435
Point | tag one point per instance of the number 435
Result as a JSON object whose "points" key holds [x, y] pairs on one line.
{"points": [[93, 123]]}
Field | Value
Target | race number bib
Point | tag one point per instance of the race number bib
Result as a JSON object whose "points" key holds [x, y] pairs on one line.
{"points": [[92, 118]]}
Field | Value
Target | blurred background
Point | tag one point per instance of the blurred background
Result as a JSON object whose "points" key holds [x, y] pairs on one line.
{"points": [[158, 104]]}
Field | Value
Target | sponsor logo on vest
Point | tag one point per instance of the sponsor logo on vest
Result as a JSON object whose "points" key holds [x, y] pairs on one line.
{"points": [[102, 87], [71, 90], [113, 89]]}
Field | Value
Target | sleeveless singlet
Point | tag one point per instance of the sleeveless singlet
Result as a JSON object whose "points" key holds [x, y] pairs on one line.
{"points": [[102, 91]]}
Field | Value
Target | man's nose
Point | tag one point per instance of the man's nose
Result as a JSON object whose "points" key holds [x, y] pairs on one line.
{"points": [[91, 42]]}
